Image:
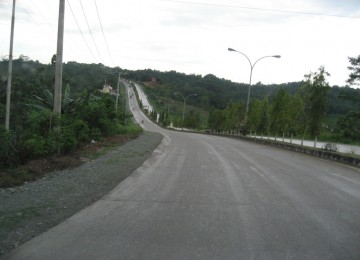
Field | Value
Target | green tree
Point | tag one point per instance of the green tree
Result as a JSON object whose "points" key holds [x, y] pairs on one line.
{"points": [[297, 116], [316, 100], [354, 77], [253, 120], [280, 112], [164, 117], [234, 114], [349, 125], [264, 122], [192, 120], [216, 119]]}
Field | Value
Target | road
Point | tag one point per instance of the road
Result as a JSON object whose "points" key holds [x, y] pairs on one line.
{"points": [[210, 197], [143, 98]]}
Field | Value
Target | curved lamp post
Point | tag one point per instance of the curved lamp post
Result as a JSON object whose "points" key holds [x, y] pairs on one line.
{"points": [[252, 65], [184, 98]]}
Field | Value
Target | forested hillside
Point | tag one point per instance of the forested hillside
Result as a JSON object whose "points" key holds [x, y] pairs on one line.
{"points": [[226, 100], [212, 92]]}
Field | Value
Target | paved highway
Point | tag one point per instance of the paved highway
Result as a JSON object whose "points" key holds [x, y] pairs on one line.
{"points": [[208, 197]]}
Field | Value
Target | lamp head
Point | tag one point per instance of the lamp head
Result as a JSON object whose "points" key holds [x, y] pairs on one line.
{"points": [[277, 56], [231, 49]]}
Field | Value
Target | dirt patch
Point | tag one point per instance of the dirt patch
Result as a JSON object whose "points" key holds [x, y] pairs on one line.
{"points": [[35, 169]]}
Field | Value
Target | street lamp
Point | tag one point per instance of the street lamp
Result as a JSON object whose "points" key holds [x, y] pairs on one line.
{"points": [[252, 65], [184, 98]]}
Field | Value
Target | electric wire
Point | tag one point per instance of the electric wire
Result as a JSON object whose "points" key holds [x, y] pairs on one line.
{"points": [[91, 32], [51, 25], [69, 44], [107, 46], [24, 9], [30, 13], [260, 9], [87, 45]]}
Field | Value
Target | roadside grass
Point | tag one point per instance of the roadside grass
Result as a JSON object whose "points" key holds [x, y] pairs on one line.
{"points": [[130, 128], [33, 170]]}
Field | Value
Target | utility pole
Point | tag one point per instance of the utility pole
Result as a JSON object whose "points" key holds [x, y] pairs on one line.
{"points": [[8, 92], [59, 59]]}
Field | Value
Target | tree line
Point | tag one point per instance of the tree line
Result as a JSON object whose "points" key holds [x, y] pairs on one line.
{"points": [[307, 108], [298, 114]]}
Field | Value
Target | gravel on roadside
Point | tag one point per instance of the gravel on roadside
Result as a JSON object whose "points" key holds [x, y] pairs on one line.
{"points": [[33, 208]]}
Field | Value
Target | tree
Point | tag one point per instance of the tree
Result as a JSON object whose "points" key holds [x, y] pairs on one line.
{"points": [[216, 119], [349, 125], [297, 115], [264, 123], [354, 77], [234, 114], [316, 100], [253, 119], [53, 60], [192, 120], [280, 112]]}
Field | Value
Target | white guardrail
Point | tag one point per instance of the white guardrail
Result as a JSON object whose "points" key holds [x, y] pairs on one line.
{"points": [[342, 148]]}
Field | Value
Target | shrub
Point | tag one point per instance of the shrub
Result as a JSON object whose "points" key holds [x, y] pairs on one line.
{"points": [[81, 131], [36, 146], [68, 140], [8, 154], [96, 134]]}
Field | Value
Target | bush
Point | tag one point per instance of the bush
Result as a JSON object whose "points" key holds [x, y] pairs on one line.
{"points": [[68, 140], [99, 113], [96, 134], [73, 133], [81, 131], [131, 128], [36, 146], [8, 154]]}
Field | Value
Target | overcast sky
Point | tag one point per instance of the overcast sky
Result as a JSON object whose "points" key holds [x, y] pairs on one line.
{"points": [[193, 36]]}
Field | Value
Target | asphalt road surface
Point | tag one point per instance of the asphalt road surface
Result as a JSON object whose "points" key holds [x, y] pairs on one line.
{"points": [[208, 197]]}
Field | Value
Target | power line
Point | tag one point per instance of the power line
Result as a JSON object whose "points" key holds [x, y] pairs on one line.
{"points": [[49, 24], [87, 45], [91, 33], [107, 46], [261, 9], [51, 38]]}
